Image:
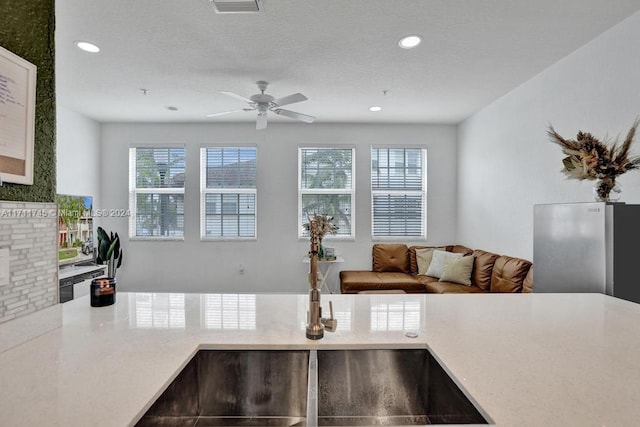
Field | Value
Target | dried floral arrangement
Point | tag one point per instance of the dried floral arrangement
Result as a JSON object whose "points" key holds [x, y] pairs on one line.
{"points": [[590, 158], [324, 224]]}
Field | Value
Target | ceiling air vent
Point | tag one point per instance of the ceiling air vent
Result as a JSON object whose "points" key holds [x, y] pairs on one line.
{"points": [[237, 6]]}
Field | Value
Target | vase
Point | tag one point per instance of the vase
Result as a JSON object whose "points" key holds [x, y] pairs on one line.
{"points": [[320, 250], [606, 190]]}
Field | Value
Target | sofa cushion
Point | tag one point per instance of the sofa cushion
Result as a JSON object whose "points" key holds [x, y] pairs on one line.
{"points": [[508, 274], [390, 257], [355, 281], [459, 249], [423, 258], [436, 268], [527, 285], [413, 264], [458, 270], [437, 287], [426, 279], [482, 268]]}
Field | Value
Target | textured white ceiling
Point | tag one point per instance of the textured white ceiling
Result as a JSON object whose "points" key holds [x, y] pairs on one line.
{"points": [[341, 54]]}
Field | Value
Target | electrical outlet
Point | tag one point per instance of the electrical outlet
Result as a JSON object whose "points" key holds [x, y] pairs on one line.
{"points": [[241, 269]]}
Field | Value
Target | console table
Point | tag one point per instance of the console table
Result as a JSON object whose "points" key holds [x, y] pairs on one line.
{"points": [[325, 268]]}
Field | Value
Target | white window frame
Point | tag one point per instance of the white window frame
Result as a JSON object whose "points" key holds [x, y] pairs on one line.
{"points": [[133, 192], [204, 191], [352, 191], [423, 192]]}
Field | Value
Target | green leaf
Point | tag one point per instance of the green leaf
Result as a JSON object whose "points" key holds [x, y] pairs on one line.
{"points": [[112, 248]]}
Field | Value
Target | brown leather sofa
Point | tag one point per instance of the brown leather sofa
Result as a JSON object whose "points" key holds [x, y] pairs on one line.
{"points": [[394, 268]]}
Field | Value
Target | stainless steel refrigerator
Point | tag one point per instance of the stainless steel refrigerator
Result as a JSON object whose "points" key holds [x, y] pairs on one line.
{"points": [[587, 247]]}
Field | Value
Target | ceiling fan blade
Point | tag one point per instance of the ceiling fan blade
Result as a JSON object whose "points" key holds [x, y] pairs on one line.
{"points": [[296, 97], [261, 123], [298, 116], [223, 113], [236, 96]]}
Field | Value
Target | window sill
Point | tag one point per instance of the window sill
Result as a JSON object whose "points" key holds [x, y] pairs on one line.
{"points": [[228, 239], [399, 238], [333, 239], [156, 239]]}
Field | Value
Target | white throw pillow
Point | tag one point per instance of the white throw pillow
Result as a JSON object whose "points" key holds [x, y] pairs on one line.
{"points": [[436, 268], [423, 258], [458, 270]]}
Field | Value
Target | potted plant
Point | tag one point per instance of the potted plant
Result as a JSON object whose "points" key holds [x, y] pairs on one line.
{"points": [[325, 225], [590, 158], [103, 290]]}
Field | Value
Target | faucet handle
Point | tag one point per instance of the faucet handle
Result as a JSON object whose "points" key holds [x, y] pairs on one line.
{"points": [[330, 324]]}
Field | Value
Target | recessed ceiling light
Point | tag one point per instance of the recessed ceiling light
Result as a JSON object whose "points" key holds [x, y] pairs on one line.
{"points": [[410, 42], [87, 47], [374, 109]]}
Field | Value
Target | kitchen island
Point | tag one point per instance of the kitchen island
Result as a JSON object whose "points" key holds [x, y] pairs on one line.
{"points": [[524, 359]]}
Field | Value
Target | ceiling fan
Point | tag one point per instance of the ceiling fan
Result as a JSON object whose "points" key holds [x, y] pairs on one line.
{"points": [[262, 103]]}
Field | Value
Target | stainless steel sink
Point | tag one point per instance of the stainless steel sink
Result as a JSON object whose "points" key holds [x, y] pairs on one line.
{"points": [[312, 388], [388, 387], [236, 388]]}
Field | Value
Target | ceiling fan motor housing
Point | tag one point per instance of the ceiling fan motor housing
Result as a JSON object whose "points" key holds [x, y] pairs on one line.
{"points": [[262, 98]]}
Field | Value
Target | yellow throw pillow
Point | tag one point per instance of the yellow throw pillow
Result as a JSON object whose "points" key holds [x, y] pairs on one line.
{"points": [[423, 258], [458, 270]]}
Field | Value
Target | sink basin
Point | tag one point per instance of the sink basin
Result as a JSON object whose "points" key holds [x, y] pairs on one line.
{"points": [[388, 387], [236, 388], [395, 387]]}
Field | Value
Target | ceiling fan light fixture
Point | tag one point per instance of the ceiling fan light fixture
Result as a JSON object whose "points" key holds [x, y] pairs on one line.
{"points": [[86, 46], [375, 109], [410, 41]]}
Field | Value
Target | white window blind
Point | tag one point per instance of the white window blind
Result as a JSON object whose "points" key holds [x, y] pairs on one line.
{"points": [[326, 187], [156, 192], [398, 192], [228, 192]]}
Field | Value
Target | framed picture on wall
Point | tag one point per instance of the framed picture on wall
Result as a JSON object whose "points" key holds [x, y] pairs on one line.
{"points": [[17, 118]]}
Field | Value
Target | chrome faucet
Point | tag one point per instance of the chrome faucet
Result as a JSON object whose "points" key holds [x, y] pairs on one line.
{"points": [[316, 324]]}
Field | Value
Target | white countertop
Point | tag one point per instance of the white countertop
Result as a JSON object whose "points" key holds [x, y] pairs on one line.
{"points": [[527, 359]]}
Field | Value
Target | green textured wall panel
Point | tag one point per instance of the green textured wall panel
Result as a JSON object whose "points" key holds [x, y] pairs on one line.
{"points": [[27, 29]]}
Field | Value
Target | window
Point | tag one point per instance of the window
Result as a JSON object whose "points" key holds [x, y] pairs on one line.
{"points": [[325, 186], [156, 192], [398, 192], [228, 192]]}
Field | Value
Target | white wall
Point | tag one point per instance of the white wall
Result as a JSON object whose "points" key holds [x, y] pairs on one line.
{"points": [[274, 261], [506, 162], [78, 154]]}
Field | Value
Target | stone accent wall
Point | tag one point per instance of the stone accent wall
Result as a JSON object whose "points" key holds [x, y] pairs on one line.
{"points": [[30, 231]]}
